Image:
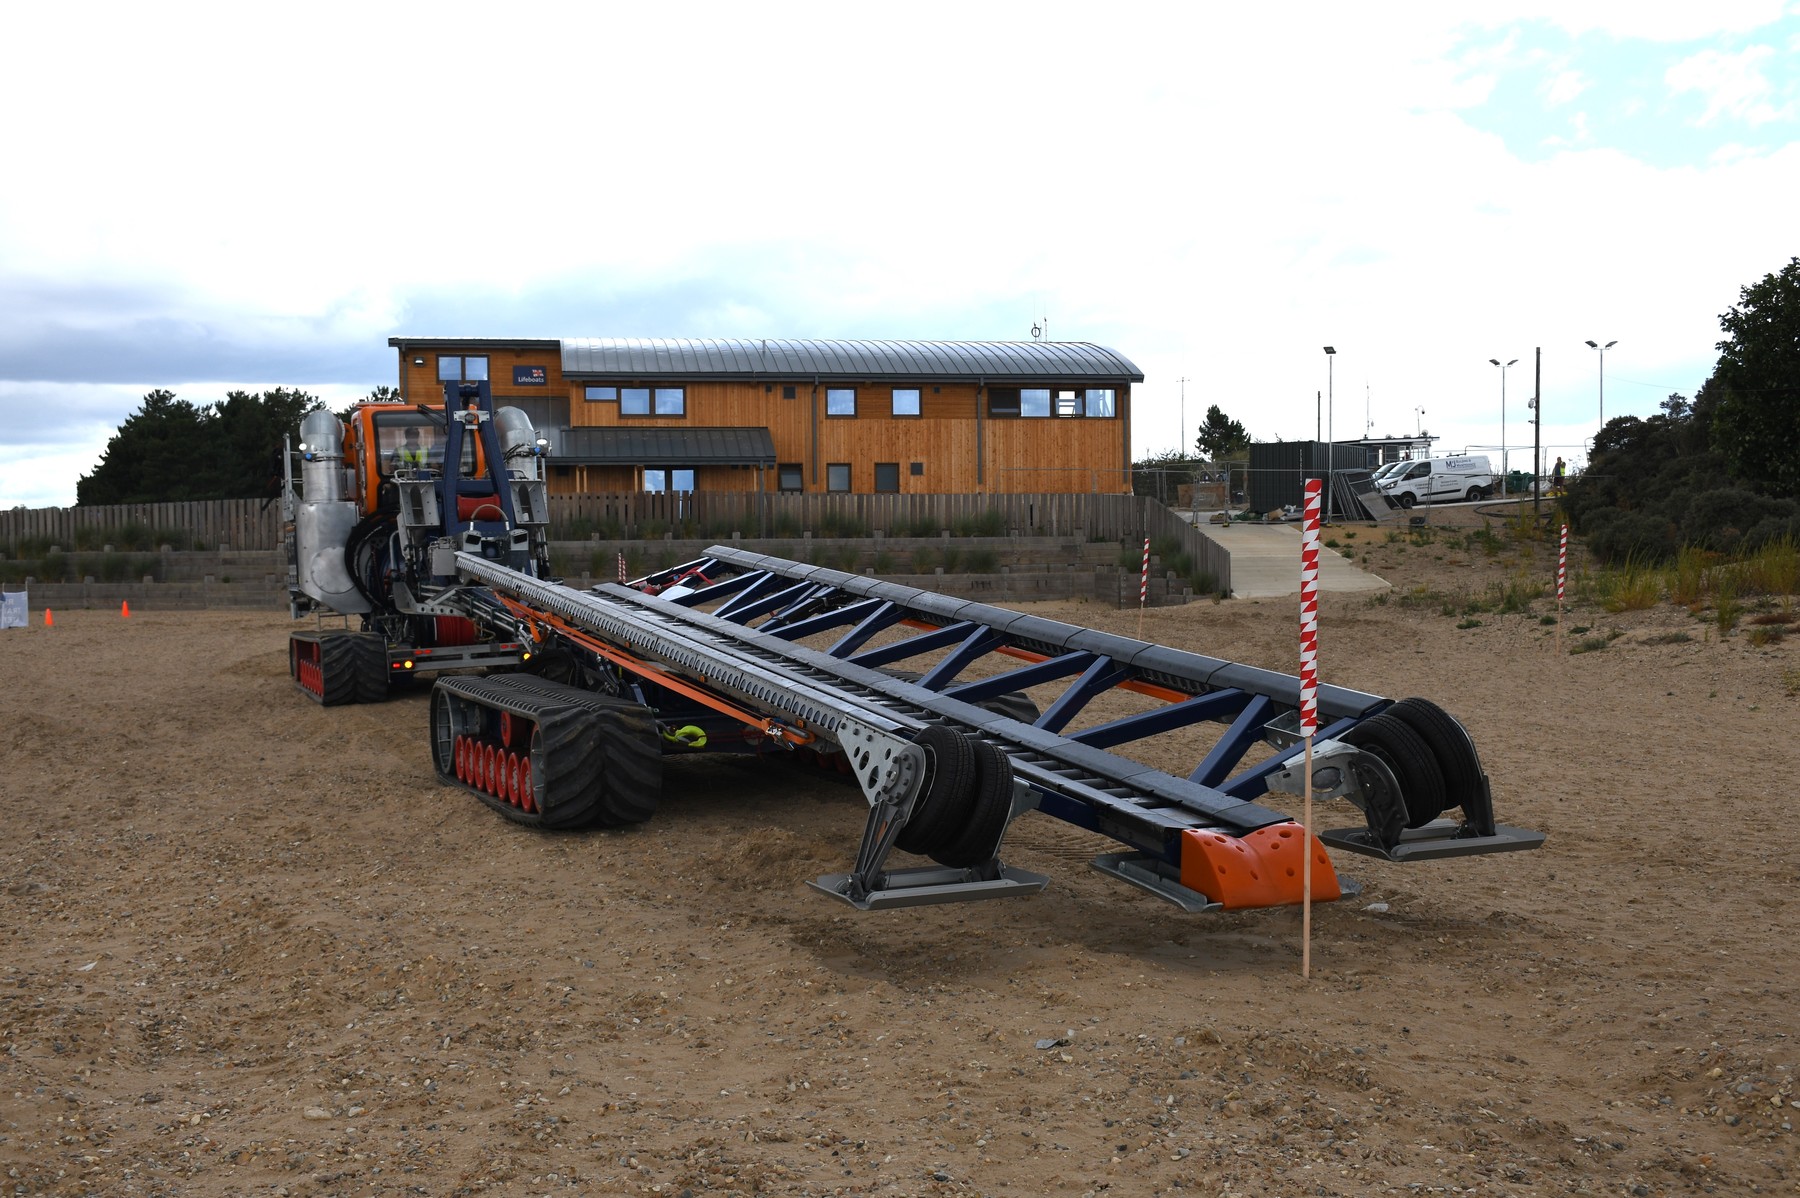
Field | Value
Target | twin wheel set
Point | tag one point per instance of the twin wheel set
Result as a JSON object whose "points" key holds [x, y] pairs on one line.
{"points": [[1427, 765]]}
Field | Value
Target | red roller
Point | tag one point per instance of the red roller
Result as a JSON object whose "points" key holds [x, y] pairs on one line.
{"points": [[512, 780], [488, 772], [454, 630], [508, 727], [527, 800]]}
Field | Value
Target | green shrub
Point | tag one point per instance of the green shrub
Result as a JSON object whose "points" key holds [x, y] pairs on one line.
{"points": [[1634, 536], [990, 523], [1718, 519], [981, 561], [133, 536], [1633, 587]]}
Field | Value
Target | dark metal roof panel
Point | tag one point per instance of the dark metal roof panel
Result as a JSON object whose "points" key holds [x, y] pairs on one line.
{"points": [[664, 446], [996, 361], [483, 342]]}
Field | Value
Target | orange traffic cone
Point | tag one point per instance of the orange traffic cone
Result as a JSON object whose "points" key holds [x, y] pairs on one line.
{"points": [[49, 620], [125, 609]]}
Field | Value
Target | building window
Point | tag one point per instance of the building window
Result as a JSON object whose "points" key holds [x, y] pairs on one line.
{"points": [[787, 391], [465, 368], [1052, 402], [918, 470], [789, 477], [840, 401], [601, 394], [837, 476], [642, 401], [906, 401], [659, 481], [887, 476]]}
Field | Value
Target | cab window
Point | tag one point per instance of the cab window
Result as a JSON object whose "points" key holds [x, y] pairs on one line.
{"points": [[422, 449]]}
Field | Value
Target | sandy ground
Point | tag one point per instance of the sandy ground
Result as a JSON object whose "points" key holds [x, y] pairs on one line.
{"points": [[249, 946]]}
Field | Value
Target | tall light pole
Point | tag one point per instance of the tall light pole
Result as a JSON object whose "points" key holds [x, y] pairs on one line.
{"points": [[1330, 454], [1504, 474], [1602, 348], [1184, 441]]}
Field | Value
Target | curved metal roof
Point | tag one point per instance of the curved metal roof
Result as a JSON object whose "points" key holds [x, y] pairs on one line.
{"points": [[739, 357]]}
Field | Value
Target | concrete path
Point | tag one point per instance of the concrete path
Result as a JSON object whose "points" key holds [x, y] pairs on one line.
{"points": [[1265, 562]]}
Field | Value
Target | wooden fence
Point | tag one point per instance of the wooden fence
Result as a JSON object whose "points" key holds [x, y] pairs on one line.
{"points": [[213, 524], [720, 513], [249, 524]]}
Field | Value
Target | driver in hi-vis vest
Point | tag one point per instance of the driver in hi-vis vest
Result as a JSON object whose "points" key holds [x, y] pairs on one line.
{"points": [[411, 454]]}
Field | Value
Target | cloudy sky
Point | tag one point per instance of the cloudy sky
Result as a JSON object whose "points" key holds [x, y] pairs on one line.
{"points": [[206, 198]]}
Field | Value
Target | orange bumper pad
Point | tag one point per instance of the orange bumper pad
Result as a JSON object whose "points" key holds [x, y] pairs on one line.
{"points": [[1262, 869]]}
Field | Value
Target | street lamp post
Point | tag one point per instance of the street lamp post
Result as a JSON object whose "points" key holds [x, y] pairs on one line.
{"points": [[1184, 445], [1595, 345], [1504, 473], [1330, 454]]}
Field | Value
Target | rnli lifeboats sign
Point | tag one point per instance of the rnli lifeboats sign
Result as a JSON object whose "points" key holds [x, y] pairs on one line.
{"points": [[530, 376]]}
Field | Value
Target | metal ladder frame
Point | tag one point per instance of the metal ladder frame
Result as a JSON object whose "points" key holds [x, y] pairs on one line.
{"points": [[747, 648]]}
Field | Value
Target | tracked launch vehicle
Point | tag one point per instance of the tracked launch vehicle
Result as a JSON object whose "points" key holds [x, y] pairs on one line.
{"points": [[558, 706]]}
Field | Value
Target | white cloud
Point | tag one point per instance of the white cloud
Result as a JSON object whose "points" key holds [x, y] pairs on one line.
{"points": [[1216, 195], [1733, 85], [1564, 87]]}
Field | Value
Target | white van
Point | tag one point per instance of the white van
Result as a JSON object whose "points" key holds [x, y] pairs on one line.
{"points": [[1439, 480]]}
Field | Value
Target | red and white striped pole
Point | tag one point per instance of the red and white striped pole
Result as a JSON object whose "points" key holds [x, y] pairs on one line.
{"points": [[1144, 581], [1562, 565], [1309, 700], [1562, 574]]}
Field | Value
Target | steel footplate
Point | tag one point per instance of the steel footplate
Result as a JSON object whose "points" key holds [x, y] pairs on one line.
{"points": [[933, 884], [1437, 839], [1155, 876]]}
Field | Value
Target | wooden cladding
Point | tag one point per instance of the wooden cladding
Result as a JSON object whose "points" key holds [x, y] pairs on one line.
{"points": [[419, 382], [955, 445]]}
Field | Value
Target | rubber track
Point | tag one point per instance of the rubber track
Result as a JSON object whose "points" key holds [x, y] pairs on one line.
{"points": [[371, 668], [595, 759], [631, 775], [337, 667]]}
